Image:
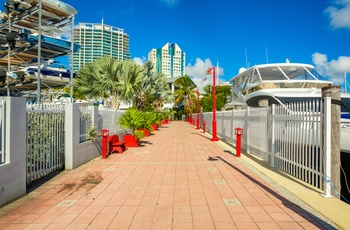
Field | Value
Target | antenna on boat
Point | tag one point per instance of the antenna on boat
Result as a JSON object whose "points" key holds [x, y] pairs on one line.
{"points": [[345, 83], [267, 57], [246, 57]]}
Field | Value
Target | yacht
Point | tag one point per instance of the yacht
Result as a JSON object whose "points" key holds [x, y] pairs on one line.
{"points": [[282, 83]]}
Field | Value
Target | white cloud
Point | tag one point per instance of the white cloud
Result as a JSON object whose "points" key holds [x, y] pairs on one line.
{"points": [[333, 69], [170, 3], [339, 14], [139, 61], [66, 32], [198, 73]]}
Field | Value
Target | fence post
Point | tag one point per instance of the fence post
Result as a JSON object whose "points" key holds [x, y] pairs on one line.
{"points": [[273, 138], [334, 112], [327, 146], [72, 124]]}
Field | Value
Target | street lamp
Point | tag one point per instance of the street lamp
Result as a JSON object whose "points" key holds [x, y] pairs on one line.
{"points": [[214, 138], [198, 109]]}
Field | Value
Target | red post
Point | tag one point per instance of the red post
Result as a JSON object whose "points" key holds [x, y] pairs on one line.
{"points": [[239, 133], [198, 109], [204, 126], [104, 135], [215, 137]]}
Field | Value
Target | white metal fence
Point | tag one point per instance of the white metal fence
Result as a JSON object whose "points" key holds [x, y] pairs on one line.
{"points": [[3, 152], [85, 122], [288, 137], [294, 133], [45, 140], [108, 119]]}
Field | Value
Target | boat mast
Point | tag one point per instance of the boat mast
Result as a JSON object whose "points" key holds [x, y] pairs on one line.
{"points": [[246, 57], [345, 83]]}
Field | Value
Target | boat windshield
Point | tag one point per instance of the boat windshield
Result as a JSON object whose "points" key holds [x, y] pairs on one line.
{"points": [[279, 76]]}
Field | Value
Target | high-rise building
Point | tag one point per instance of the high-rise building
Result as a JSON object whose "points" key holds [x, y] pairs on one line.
{"points": [[99, 40], [169, 60]]}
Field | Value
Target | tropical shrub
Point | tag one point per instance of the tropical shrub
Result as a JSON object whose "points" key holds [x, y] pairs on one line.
{"points": [[133, 119]]}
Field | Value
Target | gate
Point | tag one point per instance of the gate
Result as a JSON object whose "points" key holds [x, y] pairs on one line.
{"points": [[45, 140]]}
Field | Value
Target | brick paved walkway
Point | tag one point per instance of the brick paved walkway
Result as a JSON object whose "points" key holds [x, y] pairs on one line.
{"points": [[177, 179]]}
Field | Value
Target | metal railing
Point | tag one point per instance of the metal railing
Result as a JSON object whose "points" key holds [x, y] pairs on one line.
{"points": [[288, 137], [45, 140], [296, 143]]}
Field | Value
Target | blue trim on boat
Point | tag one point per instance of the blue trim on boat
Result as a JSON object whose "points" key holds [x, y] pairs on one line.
{"points": [[53, 43], [345, 115]]}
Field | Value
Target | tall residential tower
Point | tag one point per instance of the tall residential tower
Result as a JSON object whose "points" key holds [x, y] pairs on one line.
{"points": [[98, 40], [169, 60]]}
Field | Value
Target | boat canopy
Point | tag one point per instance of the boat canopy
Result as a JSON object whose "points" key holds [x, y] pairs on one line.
{"points": [[283, 75]]}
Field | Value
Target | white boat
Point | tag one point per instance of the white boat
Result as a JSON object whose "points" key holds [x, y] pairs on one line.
{"points": [[282, 83], [49, 70]]}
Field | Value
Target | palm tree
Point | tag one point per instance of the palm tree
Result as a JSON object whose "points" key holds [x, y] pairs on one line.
{"points": [[161, 91], [145, 86], [109, 78], [131, 79], [99, 79], [154, 87], [185, 91]]}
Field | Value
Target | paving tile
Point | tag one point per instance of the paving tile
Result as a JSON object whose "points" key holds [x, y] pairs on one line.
{"points": [[182, 226], [162, 225], [118, 225], [203, 225], [225, 226], [140, 225], [221, 217], [75, 226], [199, 209], [143, 217], [26, 219], [247, 226], [281, 217], [35, 227], [261, 217], [289, 226], [56, 226], [124, 217], [268, 226], [202, 218], [84, 218], [182, 218], [241, 218]]}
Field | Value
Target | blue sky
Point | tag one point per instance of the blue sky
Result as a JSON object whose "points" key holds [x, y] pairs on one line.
{"points": [[234, 33]]}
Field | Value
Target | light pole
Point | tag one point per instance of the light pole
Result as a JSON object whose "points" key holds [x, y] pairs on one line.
{"points": [[214, 138], [198, 109]]}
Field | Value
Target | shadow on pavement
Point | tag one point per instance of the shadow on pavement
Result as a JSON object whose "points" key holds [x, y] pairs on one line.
{"points": [[284, 201]]}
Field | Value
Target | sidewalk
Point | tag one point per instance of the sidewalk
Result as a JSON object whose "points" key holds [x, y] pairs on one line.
{"points": [[177, 179]]}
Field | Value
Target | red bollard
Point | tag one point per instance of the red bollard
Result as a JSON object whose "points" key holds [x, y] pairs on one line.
{"points": [[204, 126], [239, 133], [104, 135]]}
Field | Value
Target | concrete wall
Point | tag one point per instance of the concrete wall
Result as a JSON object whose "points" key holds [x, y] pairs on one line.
{"points": [[77, 154], [13, 172]]}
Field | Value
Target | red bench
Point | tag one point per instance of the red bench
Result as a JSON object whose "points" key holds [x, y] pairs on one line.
{"points": [[115, 144]]}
